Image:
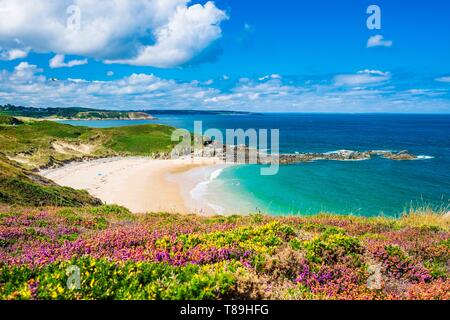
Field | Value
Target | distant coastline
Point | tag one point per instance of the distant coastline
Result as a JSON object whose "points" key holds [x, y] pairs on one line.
{"points": [[101, 114], [99, 119]]}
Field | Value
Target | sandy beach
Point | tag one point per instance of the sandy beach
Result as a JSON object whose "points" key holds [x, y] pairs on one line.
{"points": [[143, 184]]}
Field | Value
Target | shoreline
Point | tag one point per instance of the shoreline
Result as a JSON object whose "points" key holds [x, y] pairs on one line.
{"points": [[193, 185], [142, 184]]}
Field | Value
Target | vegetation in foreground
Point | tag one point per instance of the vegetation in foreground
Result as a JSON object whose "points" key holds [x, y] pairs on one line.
{"points": [[165, 256]]}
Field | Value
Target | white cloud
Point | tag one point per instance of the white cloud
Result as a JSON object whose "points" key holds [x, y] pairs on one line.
{"points": [[110, 73], [160, 33], [364, 77], [443, 79], [378, 41], [417, 91], [272, 76], [189, 31], [26, 85], [58, 62], [25, 72], [13, 54], [428, 92], [374, 72]]}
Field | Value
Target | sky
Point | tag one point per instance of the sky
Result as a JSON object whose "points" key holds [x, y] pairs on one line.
{"points": [[267, 56]]}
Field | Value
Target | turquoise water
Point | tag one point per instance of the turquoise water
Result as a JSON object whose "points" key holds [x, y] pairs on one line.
{"points": [[372, 187]]}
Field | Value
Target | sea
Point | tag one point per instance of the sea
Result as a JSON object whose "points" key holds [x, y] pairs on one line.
{"points": [[368, 188]]}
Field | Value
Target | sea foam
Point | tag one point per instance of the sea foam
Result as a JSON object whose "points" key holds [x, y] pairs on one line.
{"points": [[199, 192], [423, 157]]}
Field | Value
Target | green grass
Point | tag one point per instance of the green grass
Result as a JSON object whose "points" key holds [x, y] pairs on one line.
{"points": [[32, 143], [22, 187], [140, 140], [8, 120]]}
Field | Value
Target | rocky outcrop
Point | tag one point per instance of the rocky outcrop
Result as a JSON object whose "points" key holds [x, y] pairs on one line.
{"points": [[400, 156], [244, 154]]}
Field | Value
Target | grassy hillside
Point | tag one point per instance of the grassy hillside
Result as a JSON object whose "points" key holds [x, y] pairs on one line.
{"points": [[31, 144], [22, 187], [44, 143], [8, 120], [165, 256], [70, 113]]}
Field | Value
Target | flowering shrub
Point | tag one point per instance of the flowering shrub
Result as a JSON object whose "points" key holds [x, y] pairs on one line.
{"points": [[331, 246], [102, 279], [397, 264], [167, 256]]}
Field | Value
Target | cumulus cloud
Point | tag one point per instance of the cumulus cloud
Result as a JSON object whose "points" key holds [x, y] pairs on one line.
{"points": [[160, 33], [378, 41], [26, 85], [189, 31], [25, 72], [13, 54], [364, 77], [58, 62]]}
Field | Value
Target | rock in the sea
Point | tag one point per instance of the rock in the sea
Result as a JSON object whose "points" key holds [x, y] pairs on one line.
{"points": [[401, 156], [246, 154]]}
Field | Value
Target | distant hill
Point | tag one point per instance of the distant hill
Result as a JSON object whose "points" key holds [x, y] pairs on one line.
{"points": [[72, 113], [94, 114]]}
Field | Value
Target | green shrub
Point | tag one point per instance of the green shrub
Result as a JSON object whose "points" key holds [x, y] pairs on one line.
{"points": [[111, 210], [70, 216], [438, 269], [105, 280], [331, 245]]}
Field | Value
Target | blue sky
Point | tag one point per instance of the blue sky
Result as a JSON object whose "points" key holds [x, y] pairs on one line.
{"points": [[288, 55]]}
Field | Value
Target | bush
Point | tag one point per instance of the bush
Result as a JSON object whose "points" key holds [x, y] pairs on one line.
{"points": [[331, 246], [101, 279], [111, 210]]}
